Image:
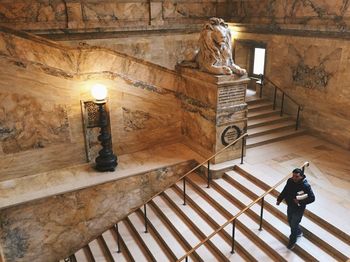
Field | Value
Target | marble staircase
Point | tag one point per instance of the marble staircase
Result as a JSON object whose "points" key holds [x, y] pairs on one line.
{"points": [[172, 228], [265, 125]]}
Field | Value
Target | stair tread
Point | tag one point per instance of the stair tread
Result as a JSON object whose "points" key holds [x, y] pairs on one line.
{"points": [[112, 245], [257, 121], [262, 112], [165, 232], [265, 236], [151, 242], [184, 230], [240, 237], [323, 234], [261, 104], [273, 136], [97, 251], [81, 256], [131, 242], [205, 228], [255, 99], [220, 220], [270, 127]]}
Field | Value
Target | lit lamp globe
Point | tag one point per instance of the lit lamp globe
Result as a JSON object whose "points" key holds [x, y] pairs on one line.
{"points": [[99, 93]]}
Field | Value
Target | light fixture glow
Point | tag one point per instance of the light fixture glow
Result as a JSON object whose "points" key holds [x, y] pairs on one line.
{"points": [[99, 92]]}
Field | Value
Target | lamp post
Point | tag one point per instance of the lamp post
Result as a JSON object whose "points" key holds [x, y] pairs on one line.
{"points": [[106, 160]]}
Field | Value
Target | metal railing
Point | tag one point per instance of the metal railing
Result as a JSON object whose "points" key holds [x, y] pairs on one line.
{"points": [[233, 219], [261, 82], [183, 178]]}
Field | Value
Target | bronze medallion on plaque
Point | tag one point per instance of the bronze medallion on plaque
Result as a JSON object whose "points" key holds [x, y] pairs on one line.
{"points": [[230, 134]]}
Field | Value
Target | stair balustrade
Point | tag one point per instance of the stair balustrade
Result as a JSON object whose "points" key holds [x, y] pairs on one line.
{"points": [[261, 82]]}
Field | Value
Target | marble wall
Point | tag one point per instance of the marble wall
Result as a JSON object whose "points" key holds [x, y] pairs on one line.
{"points": [[55, 227], [307, 56], [162, 49], [313, 71], [48, 15], [42, 85]]}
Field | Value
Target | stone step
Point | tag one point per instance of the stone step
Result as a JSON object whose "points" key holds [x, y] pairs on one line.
{"points": [[110, 237], [184, 229], [273, 137], [84, 255], [228, 209], [262, 113], [137, 251], [251, 100], [260, 106], [266, 129], [244, 246], [98, 251], [252, 123], [154, 245], [219, 243], [167, 236], [321, 238], [304, 248]]}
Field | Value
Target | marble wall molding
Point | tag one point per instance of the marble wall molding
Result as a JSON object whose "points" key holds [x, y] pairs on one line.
{"points": [[64, 16], [283, 17]]}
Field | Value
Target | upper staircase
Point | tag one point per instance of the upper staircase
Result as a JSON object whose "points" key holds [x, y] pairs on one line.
{"points": [[165, 229], [266, 125]]}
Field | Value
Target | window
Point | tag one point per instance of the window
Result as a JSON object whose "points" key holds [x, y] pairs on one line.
{"points": [[259, 61]]}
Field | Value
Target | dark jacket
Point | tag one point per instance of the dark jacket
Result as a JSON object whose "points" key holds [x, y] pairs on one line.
{"points": [[291, 190]]}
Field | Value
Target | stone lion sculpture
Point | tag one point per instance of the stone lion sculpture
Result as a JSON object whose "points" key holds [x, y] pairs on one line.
{"points": [[215, 50]]}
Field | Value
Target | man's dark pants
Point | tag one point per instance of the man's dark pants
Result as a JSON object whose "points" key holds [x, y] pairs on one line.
{"points": [[295, 214]]}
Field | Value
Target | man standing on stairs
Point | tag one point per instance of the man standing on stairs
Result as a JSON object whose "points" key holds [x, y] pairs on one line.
{"points": [[297, 193]]}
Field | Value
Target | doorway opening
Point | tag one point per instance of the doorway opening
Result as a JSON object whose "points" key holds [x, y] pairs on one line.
{"points": [[251, 55]]}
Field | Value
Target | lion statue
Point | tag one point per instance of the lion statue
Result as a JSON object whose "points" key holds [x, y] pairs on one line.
{"points": [[215, 50]]}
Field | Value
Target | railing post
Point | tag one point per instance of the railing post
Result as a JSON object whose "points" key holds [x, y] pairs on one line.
{"points": [[208, 174], [274, 99], [145, 217], [118, 238], [282, 104], [242, 151], [184, 185], [261, 213], [261, 84], [233, 236], [297, 122]]}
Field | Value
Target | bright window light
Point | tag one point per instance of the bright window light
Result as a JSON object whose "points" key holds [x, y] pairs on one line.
{"points": [[259, 61]]}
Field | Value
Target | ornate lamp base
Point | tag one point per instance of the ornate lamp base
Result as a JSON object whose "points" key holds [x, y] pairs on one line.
{"points": [[106, 160]]}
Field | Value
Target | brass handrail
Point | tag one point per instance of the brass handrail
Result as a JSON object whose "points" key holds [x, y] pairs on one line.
{"points": [[276, 86], [193, 169], [236, 216]]}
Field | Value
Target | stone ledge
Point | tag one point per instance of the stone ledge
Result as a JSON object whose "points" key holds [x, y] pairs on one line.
{"points": [[17, 191]]}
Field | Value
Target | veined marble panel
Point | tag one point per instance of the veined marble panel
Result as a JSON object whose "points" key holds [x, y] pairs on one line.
{"points": [[44, 53], [175, 9], [27, 123], [112, 11]]}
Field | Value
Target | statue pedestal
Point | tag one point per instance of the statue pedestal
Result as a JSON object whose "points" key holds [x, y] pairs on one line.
{"points": [[215, 112]]}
